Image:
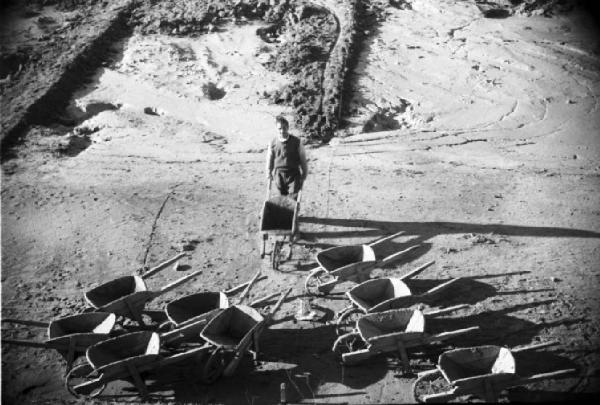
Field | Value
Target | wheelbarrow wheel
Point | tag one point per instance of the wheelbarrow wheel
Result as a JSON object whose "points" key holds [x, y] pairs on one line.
{"points": [[347, 321], [213, 369], [315, 281], [348, 343], [276, 254], [431, 383], [78, 375]]}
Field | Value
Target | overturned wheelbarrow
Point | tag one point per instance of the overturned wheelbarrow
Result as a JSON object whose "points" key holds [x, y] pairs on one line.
{"points": [[383, 294], [70, 336], [482, 371], [127, 296], [348, 263], [392, 331]]}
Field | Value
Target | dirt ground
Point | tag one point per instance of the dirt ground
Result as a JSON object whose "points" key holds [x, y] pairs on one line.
{"points": [[473, 127]]}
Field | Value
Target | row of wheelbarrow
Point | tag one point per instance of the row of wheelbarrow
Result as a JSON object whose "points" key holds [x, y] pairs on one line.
{"points": [[204, 331], [383, 318]]}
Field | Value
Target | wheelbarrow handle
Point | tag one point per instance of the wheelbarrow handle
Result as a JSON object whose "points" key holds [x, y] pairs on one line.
{"points": [[25, 322], [262, 300], [248, 287], [163, 265], [238, 287], [395, 256], [357, 356], [546, 376], [440, 397], [535, 346], [444, 311], [449, 334], [269, 188], [385, 239], [441, 287], [278, 304], [28, 343], [179, 282], [416, 271]]}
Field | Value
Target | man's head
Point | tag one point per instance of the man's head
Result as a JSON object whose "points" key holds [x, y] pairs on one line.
{"points": [[282, 126]]}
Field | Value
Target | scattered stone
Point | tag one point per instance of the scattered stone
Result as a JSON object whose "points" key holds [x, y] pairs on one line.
{"points": [[151, 111]]}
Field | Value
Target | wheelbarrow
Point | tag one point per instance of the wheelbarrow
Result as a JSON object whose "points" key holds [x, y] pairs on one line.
{"points": [[231, 334], [482, 371], [392, 331], [70, 336], [127, 296], [348, 263], [382, 294], [131, 357], [188, 315], [279, 225]]}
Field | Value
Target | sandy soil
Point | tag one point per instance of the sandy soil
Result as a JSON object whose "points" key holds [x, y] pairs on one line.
{"points": [[487, 156]]}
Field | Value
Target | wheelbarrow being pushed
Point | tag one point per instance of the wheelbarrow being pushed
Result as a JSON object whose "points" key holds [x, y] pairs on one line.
{"points": [[131, 357], [392, 331], [70, 336], [231, 334], [279, 225], [348, 263], [127, 296], [482, 371], [382, 294]]}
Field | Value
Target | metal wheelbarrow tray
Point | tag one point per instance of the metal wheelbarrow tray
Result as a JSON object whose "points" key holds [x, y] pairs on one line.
{"points": [[188, 315], [127, 296], [126, 357], [232, 333], [392, 331], [483, 371], [70, 336], [348, 263], [279, 222], [383, 294]]}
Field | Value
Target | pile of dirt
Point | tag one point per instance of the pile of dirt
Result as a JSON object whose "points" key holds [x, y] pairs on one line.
{"points": [[192, 18], [39, 74], [304, 53], [547, 8]]}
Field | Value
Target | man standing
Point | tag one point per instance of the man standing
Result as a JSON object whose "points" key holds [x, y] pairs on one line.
{"points": [[286, 160]]}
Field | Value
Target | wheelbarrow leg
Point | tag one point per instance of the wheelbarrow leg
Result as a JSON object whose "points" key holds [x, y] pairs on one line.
{"points": [[139, 383], [264, 245], [404, 358], [135, 314], [70, 354], [490, 394]]}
